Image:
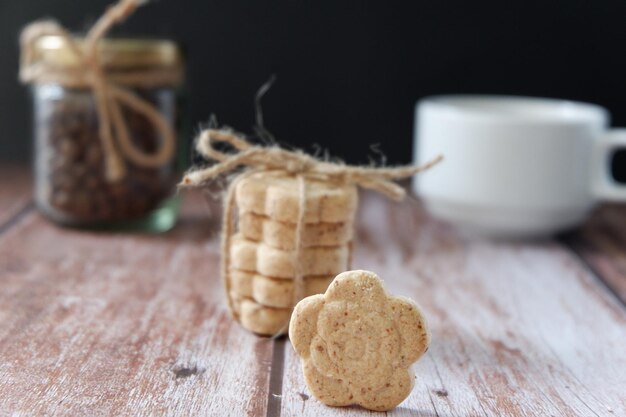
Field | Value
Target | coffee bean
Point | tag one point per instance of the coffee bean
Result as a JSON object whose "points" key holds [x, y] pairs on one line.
{"points": [[93, 155], [91, 183], [68, 148], [74, 168], [61, 199]]}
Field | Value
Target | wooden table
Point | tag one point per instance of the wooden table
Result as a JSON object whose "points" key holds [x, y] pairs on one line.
{"points": [[136, 325]]}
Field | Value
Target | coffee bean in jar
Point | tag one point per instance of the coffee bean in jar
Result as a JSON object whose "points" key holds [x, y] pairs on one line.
{"points": [[105, 116]]}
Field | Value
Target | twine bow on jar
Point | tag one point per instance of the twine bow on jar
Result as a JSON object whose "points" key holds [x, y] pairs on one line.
{"points": [[87, 71], [273, 159]]}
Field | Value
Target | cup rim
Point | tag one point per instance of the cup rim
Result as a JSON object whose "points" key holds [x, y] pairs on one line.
{"points": [[493, 108]]}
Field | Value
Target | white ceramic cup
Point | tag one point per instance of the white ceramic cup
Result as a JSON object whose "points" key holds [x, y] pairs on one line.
{"points": [[515, 166]]}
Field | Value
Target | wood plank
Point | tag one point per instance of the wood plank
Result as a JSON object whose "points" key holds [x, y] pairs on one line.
{"points": [[601, 242], [122, 324], [519, 329], [15, 190]]}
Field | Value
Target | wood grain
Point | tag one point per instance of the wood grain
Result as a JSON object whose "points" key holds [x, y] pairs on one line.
{"points": [[112, 324], [15, 191], [519, 329], [601, 242], [123, 324]]}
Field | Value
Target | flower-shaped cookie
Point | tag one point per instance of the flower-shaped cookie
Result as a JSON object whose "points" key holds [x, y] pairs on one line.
{"points": [[357, 342]]}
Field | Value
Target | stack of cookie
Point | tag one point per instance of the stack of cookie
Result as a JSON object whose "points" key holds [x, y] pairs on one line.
{"points": [[263, 261]]}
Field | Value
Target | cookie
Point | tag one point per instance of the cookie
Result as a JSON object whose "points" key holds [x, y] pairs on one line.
{"points": [[282, 235], [259, 257], [277, 195], [265, 321], [357, 342], [273, 292]]}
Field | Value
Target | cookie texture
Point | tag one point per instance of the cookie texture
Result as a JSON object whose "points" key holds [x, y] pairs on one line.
{"points": [[260, 319], [282, 235], [268, 254], [357, 342], [273, 292], [277, 195], [248, 255]]}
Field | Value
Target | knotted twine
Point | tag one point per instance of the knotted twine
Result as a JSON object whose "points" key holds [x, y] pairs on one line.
{"points": [[274, 160], [108, 93]]}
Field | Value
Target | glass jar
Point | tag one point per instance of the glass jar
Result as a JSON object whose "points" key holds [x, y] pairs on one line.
{"points": [[72, 186]]}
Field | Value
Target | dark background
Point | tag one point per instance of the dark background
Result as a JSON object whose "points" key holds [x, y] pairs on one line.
{"points": [[350, 72]]}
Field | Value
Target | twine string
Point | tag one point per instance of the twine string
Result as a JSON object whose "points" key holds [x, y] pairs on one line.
{"points": [[274, 158], [228, 222], [109, 97], [304, 167], [298, 279]]}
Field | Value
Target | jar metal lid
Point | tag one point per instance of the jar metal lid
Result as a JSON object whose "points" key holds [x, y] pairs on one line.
{"points": [[115, 54]]}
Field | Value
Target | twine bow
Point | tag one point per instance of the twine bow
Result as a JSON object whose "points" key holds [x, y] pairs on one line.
{"points": [[109, 96], [296, 163]]}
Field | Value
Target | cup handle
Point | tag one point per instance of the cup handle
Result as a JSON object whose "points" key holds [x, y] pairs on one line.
{"points": [[604, 186]]}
